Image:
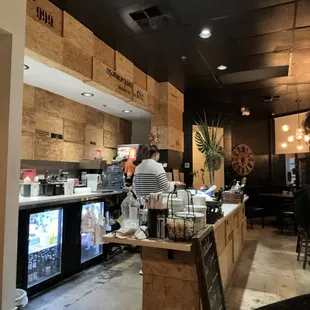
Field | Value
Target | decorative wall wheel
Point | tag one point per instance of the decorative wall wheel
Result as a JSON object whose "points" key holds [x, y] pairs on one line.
{"points": [[243, 160]]}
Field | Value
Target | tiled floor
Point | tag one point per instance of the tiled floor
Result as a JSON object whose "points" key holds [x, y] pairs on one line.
{"points": [[267, 272]]}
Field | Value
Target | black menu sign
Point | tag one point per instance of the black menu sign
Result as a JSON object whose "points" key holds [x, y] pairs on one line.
{"points": [[208, 270]]}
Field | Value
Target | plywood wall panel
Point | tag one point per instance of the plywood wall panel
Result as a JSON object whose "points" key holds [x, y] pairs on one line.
{"points": [[74, 132], [90, 151], [28, 121], [27, 146], [123, 139], [93, 135], [111, 123], [49, 103], [139, 98], [77, 62], [139, 77], [48, 149], [73, 152], [109, 154], [94, 117], [42, 43], [104, 53], [124, 66], [125, 127], [49, 124], [28, 97], [73, 111], [47, 14], [110, 139], [78, 34], [175, 118], [107, 80]]}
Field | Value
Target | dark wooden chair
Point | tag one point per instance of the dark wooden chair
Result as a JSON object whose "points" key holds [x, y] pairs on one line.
{"points": [[287, 219], [252, 212], [303, 242]]}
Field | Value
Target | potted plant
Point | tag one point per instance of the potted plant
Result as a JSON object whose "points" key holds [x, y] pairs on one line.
{"points": [[208, 141]]}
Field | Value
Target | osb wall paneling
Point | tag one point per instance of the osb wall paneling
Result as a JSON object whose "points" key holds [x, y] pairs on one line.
{"points": [[139, 77], [77, 61], [104, 53], [42, 43], [74, 131], [94, 117], [78, 34], [123, 66], [73, 111], [47, 14]]}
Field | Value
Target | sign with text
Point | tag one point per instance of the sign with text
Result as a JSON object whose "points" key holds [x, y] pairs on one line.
{"points": [[208, 270], [46, 13]]}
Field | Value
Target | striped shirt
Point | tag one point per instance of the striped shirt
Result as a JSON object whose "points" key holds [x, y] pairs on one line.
{"points": [[150, 177]]}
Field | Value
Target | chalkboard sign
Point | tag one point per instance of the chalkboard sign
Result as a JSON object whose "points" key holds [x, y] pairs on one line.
{"points": [[208, 270]]}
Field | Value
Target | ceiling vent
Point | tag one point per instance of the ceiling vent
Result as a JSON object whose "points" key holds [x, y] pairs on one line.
{"points": [[149, 18], [270, 98]]}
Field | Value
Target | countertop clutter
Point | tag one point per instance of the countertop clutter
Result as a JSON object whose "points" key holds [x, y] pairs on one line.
{"points": [[26, 202]]}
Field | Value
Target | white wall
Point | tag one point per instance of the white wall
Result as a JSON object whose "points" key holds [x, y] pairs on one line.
{"points": [[140, 132], [12, 40]]}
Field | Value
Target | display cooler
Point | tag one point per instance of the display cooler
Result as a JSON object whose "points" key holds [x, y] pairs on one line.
{"points": [[51, 246]]}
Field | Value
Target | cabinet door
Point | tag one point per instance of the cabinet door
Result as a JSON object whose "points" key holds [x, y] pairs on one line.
{"points": [[226, 263], [237, 244], [220, 237], [244, 229]]}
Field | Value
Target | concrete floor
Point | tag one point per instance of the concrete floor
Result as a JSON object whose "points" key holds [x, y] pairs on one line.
{"points": [[267, 272]]}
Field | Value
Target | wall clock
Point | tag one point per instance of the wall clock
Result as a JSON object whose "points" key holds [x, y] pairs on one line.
{"points": [[243, 160]]}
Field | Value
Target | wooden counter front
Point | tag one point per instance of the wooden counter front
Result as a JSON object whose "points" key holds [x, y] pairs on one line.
{"points": [[169, 271]]}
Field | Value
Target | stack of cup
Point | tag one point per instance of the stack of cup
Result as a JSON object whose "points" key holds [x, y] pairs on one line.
{"points": [[69, 187]]}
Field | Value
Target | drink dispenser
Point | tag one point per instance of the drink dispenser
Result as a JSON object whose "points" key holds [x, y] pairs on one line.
{"points": [[130, 212]]}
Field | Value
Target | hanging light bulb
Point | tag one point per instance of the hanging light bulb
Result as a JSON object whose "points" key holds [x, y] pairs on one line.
{"points": [[298, 136], [300, 147], [307, 138], [285, 128], [290, 138], [284, 145], [299, 130]]}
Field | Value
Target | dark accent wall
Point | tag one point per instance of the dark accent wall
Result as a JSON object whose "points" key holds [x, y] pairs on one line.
{"points": [[269, 170], [174, 159]]}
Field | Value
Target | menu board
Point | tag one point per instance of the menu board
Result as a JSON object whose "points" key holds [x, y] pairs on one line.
{"points": [[208, 270]]}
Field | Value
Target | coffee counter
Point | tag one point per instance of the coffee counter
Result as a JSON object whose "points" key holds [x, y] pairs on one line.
{"points": [[169, 271], [26, 203]]}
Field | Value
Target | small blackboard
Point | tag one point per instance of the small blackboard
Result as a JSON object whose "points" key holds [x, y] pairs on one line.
{"points": [[208, 270]]}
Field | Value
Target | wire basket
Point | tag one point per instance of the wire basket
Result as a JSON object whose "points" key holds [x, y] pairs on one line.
{"points": [[181, 228]]}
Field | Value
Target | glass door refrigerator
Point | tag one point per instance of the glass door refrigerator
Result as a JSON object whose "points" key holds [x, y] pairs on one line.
{"points": [[45, 237], [89, 250]]}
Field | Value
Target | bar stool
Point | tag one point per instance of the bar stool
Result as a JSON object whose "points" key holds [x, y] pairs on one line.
{"points": [[255, 212], [303, 242], [289, 214]]}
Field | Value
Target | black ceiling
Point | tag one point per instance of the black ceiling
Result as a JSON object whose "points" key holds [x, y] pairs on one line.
{"points": [[248, 36]]}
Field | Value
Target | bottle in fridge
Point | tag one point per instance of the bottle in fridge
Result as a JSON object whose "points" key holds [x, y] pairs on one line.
{"points": [[44, 246], [92, 213]]}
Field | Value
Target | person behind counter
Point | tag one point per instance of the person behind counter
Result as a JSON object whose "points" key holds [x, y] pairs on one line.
{"points": [[150, 176]]}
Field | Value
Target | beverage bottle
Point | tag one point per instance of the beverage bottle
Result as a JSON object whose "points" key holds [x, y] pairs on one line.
{"points": [[30, 278], [34, 269]]}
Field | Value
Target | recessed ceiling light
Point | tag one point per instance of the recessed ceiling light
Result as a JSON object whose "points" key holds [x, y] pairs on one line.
{"points": [[222, 67], [26, 67], [205, 33], [87, 94], [104, 105], [272, 114], [126, 111]]}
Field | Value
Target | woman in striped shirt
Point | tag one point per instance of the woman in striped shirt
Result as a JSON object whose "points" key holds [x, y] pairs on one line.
{"points": [[150, 176]]}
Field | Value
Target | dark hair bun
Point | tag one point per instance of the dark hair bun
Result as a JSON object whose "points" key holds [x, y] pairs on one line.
{"points": [[146, 151]]}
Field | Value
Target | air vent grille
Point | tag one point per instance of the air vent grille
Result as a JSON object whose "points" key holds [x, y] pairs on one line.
{"points": [[150, 17]]}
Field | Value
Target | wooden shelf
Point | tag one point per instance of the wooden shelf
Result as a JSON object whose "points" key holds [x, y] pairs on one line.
{"points": [[151, 243]]}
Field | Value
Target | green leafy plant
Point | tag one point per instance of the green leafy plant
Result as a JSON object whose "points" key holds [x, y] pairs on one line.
{"points": [[208, 143], [200, 174]]}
